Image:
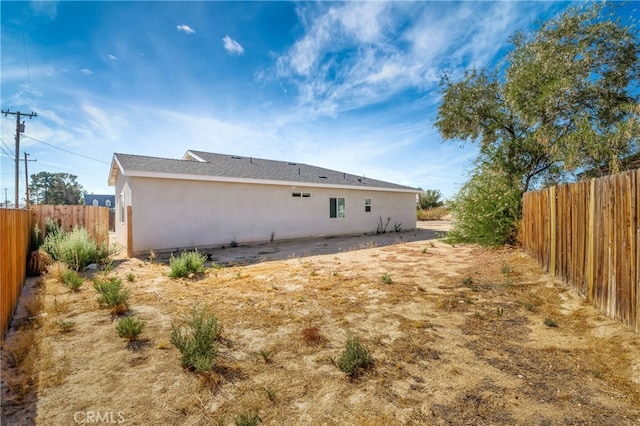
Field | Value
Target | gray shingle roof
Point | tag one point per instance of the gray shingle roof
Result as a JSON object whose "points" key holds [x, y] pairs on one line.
{"points": [[232, 166]]}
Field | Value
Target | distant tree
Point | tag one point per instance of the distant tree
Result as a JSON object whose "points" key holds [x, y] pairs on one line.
{"points": [[430, 198], [566, 98], [55, 188]]}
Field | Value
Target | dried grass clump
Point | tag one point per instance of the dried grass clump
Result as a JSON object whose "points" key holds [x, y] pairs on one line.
{"points": [[40, 261], [312, 336]]}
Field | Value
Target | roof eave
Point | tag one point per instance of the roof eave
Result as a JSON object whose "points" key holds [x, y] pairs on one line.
{"points": [[226, 179]]}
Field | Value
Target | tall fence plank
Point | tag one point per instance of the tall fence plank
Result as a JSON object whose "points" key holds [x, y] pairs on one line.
{"points": [[14, 247], [588, 234], [93, 218]]}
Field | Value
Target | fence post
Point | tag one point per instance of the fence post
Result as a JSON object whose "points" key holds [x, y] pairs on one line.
{"points": [[129, 232], [591, 239], [553, 231]]}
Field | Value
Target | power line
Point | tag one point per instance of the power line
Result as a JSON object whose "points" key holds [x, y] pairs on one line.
{"points": [[66, 150], [6, 151]]}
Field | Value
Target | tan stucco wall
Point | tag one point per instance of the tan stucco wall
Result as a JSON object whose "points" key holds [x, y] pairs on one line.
{"points": [[170, 214]]}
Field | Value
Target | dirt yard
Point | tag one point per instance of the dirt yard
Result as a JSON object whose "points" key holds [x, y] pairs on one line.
{"points": [[461, 335]]}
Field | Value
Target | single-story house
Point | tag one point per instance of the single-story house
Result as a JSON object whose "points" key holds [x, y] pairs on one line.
{"points": [[101, 200], [208, 200]]}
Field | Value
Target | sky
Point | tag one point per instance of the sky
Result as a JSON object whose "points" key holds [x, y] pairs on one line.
{"points": [[350, 86]]}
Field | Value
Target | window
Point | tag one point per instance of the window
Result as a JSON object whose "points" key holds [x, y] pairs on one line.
{"points": [[95, 203], [295, 194], [336, 208], [122, 208], [301, 194], [367, 205], [107, 203], [306, 195]]}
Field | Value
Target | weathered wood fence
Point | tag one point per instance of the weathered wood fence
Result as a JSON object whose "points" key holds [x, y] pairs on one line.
{"points": [[588, 234], [93, 218], [16, 226], [14, 247]]}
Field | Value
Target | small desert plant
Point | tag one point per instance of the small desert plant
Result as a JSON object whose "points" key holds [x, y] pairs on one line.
{"points": [[266, 355], [130, 328], [355, 357], [65, 325], [189, 262], [271, 394], [195, 336], [112, 295], [386, 278], [550, 322], [72, 279], [130, 277], [247, 419]]}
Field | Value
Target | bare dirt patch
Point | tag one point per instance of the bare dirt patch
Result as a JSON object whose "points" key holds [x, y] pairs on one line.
{"points": [[457, 337]]}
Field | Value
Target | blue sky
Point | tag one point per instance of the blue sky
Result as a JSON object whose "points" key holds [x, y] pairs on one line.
{"points": [[347, 86]]}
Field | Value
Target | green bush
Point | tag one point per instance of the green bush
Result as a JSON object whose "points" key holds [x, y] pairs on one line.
{"points": [[486, 211], [72, 279], [130, 328], [112, 295], [189, 262], [195, 336], [355, 357], [76, 248]]}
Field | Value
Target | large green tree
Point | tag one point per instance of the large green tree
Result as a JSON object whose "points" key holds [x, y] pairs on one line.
{"points": [[55, 188], [566, 98]]}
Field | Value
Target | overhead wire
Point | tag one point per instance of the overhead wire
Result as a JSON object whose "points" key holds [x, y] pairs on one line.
{"points": [[65, 150]]}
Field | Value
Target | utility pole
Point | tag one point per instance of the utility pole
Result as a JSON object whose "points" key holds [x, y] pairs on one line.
{"points": [[19, 129], [26, 178]]}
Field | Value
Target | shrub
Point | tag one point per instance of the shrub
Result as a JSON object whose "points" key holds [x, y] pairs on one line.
{"points": [[195, 336], [434, 213], [355, 357], [188, 263], [72, 279], [130, 328], [386, 278], [112, 295], [76, 248], [485, 211]]}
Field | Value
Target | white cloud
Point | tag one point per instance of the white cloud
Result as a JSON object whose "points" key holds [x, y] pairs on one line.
{"points": [[185, 28], [232, 46], [113, 57], [86, 71], [358, 54]]}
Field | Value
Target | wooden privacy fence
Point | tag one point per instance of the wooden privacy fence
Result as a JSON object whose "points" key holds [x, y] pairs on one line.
{"points": [[14, 247], [588, 234], [93, 218]]}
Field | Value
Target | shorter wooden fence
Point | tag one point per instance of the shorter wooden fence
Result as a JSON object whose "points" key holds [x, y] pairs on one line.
{"points": [[14, 248], [16, 226], [93, 218], [588, 234]]}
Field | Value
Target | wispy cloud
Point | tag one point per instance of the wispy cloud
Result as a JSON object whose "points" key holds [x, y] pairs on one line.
{"points": [[185, 28], [355, 55], [86, 71], [45, 8], [232, 46], [113, 57]]}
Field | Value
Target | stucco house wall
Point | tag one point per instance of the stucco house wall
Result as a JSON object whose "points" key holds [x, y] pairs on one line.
{"points": [[183, 213]]}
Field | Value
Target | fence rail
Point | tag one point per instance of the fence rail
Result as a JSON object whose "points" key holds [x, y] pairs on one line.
{"points": [[588, 234], [14, 248], [93, 218]]}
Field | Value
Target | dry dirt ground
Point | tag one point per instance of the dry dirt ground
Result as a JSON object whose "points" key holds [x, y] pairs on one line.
{"points": [[457, 337]]}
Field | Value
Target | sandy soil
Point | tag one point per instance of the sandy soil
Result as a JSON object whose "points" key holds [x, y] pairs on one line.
{"points": [[457, 337]]}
